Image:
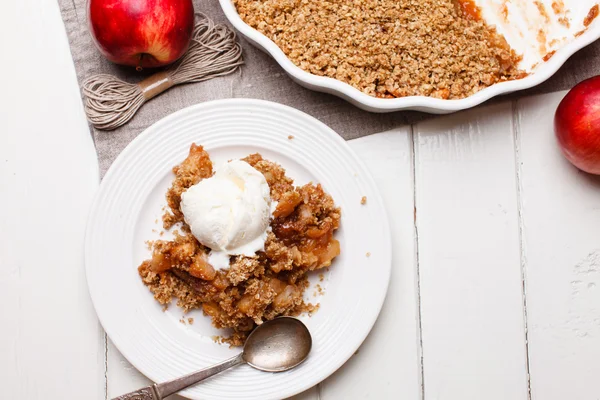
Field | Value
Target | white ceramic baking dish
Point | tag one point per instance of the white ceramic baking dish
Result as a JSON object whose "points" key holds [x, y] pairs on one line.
{"points": [[518, 20]]}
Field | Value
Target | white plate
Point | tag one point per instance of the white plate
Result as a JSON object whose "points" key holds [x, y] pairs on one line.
{"points": [[521, 28], [130, 200]]}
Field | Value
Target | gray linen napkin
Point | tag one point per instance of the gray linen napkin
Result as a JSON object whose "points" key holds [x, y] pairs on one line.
{"points": [[260, 78]]}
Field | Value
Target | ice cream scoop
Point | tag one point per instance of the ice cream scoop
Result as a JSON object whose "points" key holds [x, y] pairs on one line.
{"points": [[229, 212]]}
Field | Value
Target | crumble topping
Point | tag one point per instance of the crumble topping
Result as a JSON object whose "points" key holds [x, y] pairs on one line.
{"points": [[253, 289], [388, 48]]}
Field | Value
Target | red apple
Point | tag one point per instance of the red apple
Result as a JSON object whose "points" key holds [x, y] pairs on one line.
{"points": [[141, 33], [577, 125]]}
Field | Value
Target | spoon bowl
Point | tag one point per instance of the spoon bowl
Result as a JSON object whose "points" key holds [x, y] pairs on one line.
{"points": [[277, 345]]}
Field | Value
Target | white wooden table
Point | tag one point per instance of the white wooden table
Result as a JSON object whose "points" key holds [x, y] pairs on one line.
{"points": [[495, 291]]}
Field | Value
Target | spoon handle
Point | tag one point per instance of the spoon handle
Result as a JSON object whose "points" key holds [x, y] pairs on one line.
{"points": [[168, 388], [162, 390]]}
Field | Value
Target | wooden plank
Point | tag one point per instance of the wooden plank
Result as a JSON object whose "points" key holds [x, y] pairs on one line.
{"points": [[471, 297], [51, 345], [387, 365], [561, 234]]}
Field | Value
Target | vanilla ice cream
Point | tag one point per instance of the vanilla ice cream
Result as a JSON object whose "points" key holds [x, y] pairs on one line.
{"points": [[229, 212]]}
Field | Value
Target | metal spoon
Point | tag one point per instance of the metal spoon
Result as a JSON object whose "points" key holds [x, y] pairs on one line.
{"points": [[274, 346]]}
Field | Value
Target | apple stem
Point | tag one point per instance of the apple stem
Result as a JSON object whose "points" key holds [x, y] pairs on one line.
{"points": [[139, 66]]}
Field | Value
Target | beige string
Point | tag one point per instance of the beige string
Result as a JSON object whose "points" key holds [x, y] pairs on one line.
{"points": [[110, 102]]}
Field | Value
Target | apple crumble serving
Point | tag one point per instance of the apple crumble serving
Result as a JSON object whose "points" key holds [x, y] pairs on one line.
{"points": [[388, 48], [255, 288]]}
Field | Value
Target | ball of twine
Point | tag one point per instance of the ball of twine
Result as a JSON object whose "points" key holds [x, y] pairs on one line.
{"points": [[110, 102]]}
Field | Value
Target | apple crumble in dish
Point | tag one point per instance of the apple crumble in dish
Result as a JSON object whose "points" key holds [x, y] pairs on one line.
{"points": [[388, 48], [251, 288]]}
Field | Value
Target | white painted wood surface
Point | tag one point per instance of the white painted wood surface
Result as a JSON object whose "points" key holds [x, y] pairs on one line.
{"points": [[496, 284], [392, 346], [561, 252], [469, 257], [51, 344]]}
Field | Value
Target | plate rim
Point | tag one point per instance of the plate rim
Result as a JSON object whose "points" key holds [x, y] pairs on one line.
{"points": [[416, 103], [387, 247]]}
